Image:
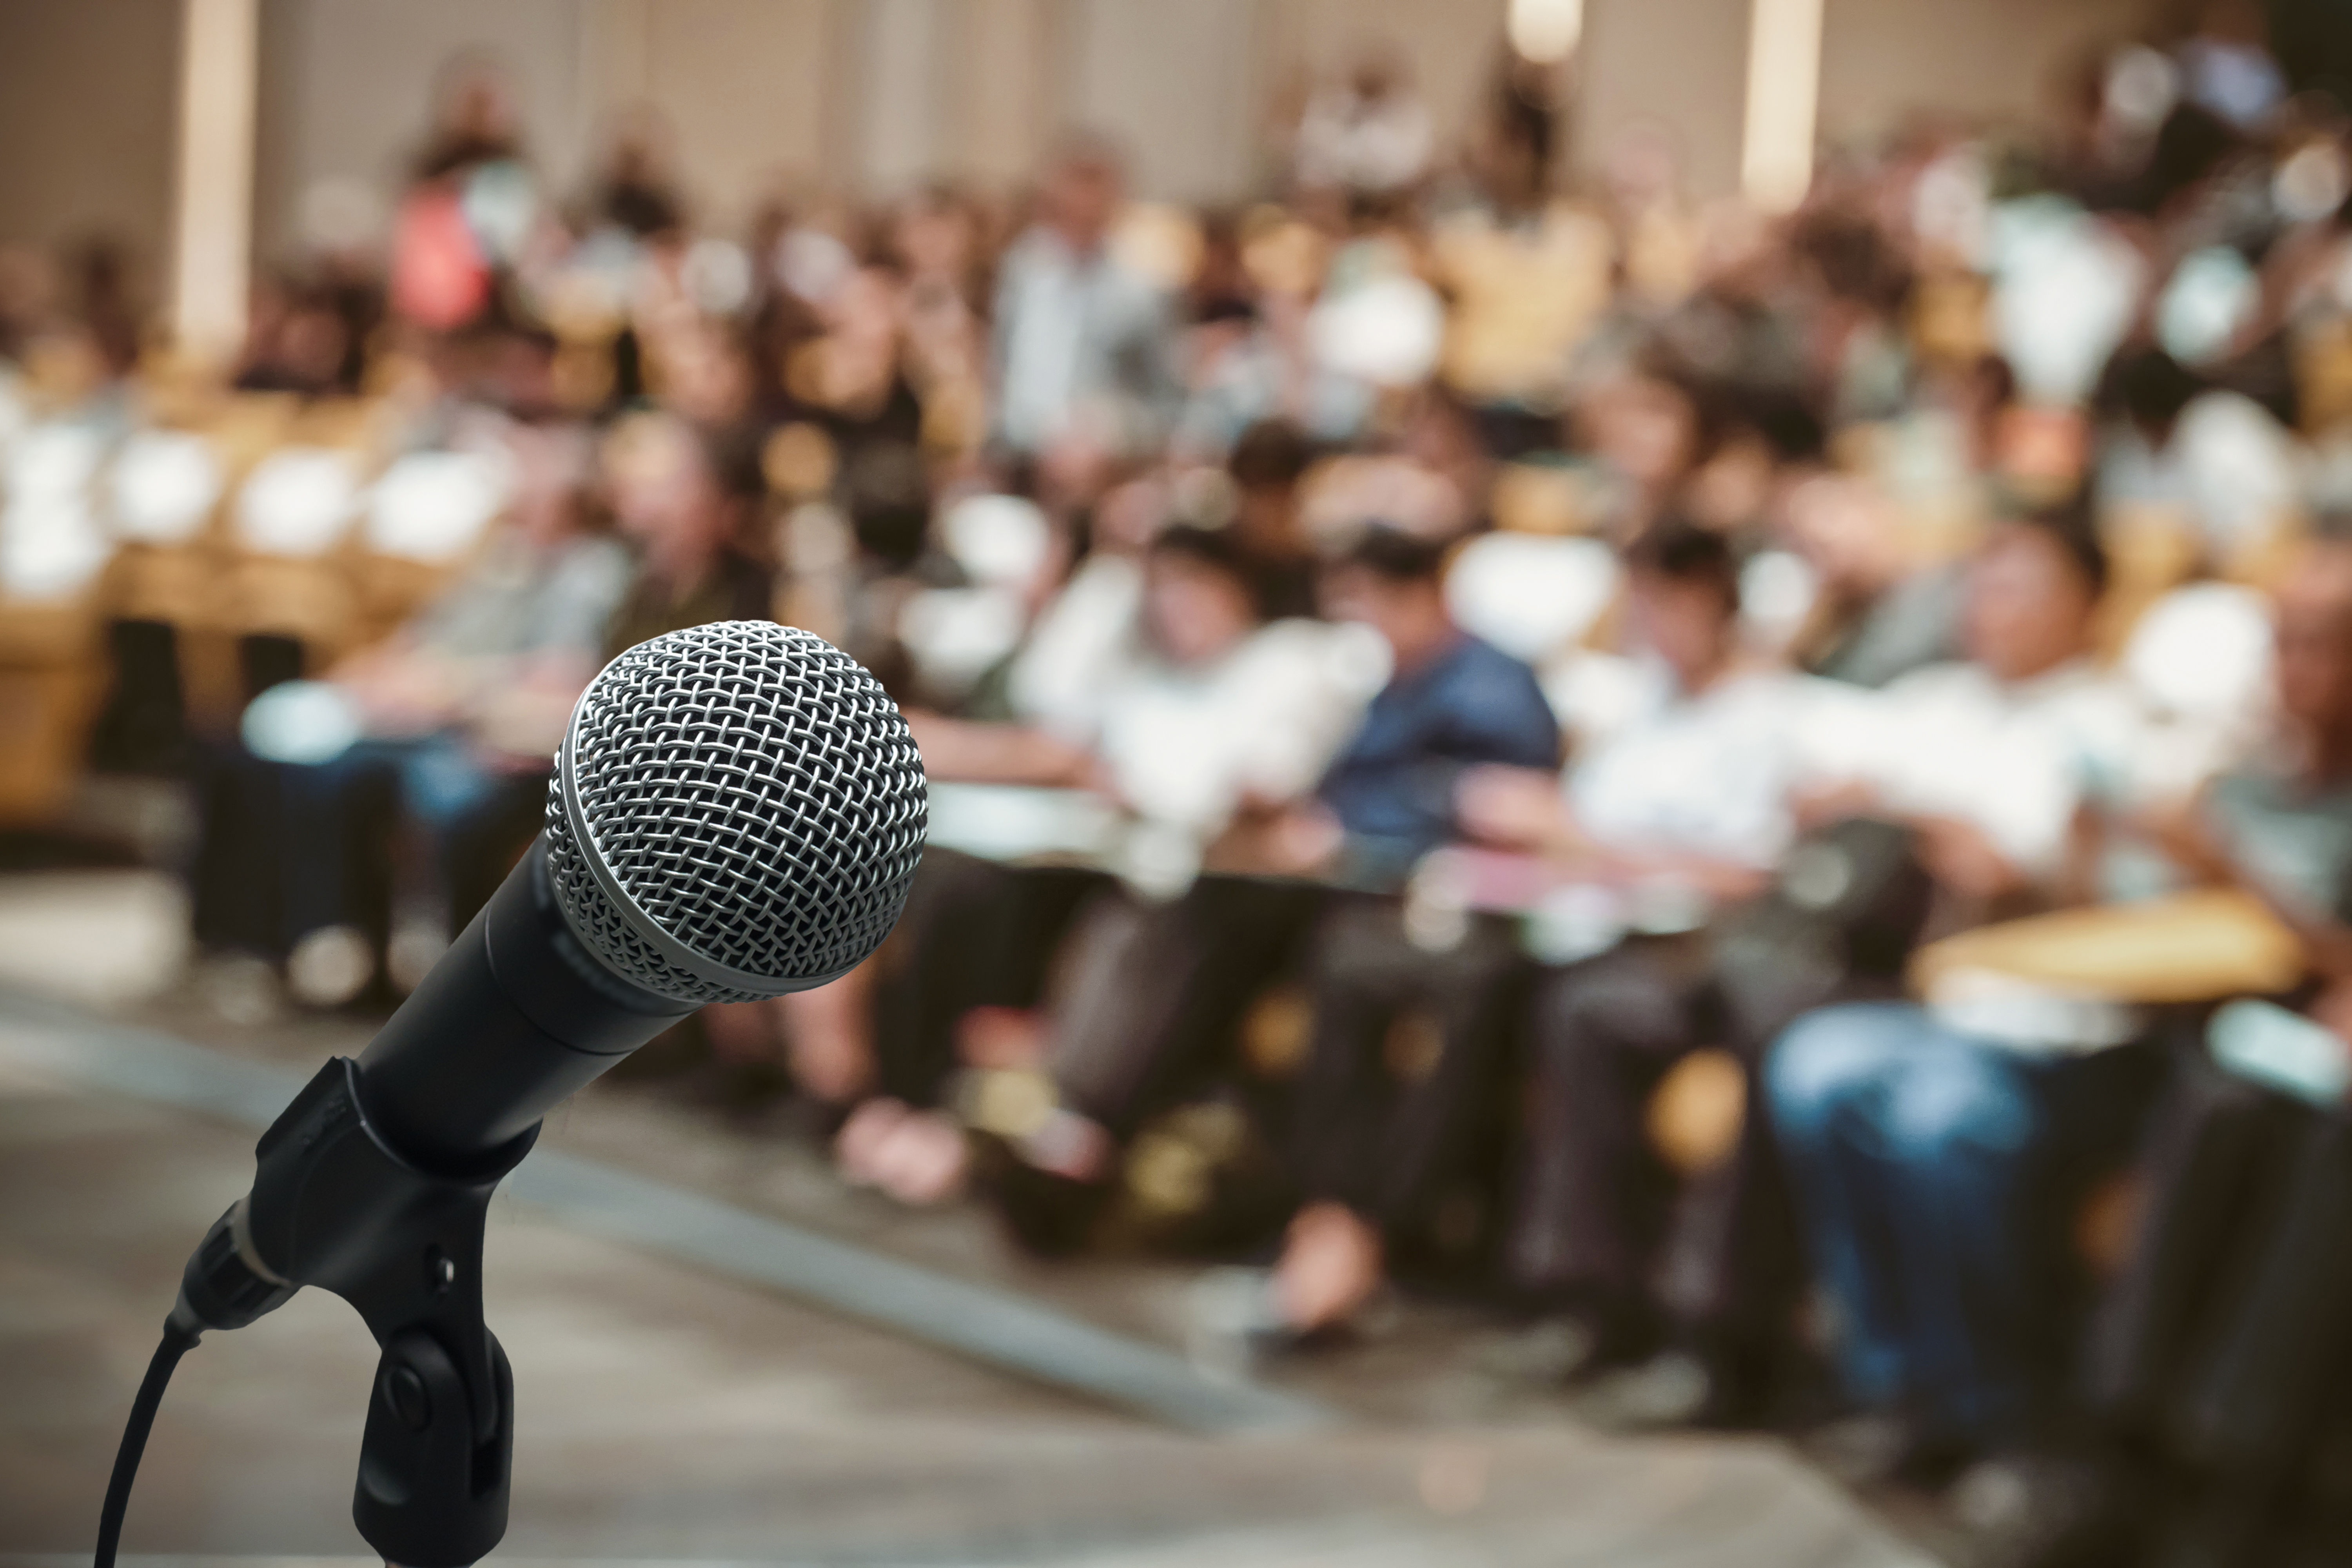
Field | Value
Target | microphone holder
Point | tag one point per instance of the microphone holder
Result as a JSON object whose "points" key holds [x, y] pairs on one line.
{"points": [[334, 1207]]}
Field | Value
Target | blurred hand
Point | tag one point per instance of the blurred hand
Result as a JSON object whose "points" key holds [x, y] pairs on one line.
{"points": [[2176, 830], [1331, 1264], [828, 1043], [521, 721], [1960, 856], [1074, 469], [2331, 1010], [1283, 841], [740, 1031], [1099, 776], [1305, 839], [1518, 808], [400, 690], [976, 753], [1823, 803]]}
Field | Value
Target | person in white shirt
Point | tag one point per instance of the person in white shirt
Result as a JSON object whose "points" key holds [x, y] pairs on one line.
{"points": [[1199, 709], [1988, 759], [1368, 133], [1705, 750], [1085, 346], [1691, 794], [1912, 1144]]}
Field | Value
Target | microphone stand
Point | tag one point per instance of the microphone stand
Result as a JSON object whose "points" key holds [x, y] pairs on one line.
{"points": [[333, 1205]]}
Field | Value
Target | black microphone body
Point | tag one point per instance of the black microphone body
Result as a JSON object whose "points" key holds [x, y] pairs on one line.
{"points": [[373, 1184], [735, 813], [515, 1018]]}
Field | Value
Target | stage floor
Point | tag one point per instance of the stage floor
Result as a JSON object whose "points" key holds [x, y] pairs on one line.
{"points": [[676, 1414]]}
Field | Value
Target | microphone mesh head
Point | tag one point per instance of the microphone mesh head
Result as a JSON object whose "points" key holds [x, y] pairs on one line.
{"points": [[737, 812]]}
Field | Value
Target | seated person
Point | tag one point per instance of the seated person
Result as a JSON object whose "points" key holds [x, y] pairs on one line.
{"points": [[1877, 613], [1260, 369], [1912, 1139], [452, 715], [2208, 1369], [975, 933], [1691, 794], [688, 504], [1156, 989], [1268, 466], [1213, 708]]}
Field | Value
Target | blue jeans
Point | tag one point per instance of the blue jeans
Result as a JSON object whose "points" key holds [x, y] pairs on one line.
{"points": [[1921, 1159]]}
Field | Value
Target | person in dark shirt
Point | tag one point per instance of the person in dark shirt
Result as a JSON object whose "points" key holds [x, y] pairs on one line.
{"points": [[1268, 463], [1452, 702], [636, 191], [2215, 1367], [695, 545]]}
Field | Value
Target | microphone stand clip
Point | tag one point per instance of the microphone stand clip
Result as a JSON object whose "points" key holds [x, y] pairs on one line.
{"points": [[333, 1205]]}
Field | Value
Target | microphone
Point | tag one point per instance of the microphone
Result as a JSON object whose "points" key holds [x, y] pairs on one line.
{"points": [[735, 813]]}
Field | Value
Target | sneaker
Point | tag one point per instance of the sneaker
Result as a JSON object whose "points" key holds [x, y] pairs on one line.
{"points": [[1576, 1344], [2045, 1512], [329, 967], [1553, 1350], [1877, 1448], [1232, 1318], [1861, 1450], [1674, 1388]]}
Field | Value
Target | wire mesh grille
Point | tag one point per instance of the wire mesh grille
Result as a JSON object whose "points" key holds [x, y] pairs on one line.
{"points": [[755, 795]]}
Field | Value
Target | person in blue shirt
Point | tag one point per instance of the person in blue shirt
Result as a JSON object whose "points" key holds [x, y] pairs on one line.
{"points": [[1452, 702]]}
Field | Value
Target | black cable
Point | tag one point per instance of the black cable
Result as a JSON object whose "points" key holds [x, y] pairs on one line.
{"points": [[180, 1337]]}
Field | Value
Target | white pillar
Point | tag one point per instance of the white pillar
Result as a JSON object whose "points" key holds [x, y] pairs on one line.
{"points": [[1784, 74], [905, 72], [213, 233]]}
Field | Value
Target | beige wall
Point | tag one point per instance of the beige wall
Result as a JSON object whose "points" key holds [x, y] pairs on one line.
{"points": [[884, 93], [1680, 64], [1683, 64], [1002, 101], [1453, 46], [88, 90], [348, 89], [887, 91], [1177, 84], [1881, 59], [743, 83], [745, 86]]}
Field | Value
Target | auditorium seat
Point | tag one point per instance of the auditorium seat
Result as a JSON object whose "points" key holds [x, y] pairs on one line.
{"points": [[1529, 595], [53, 550], [287, 584], [1543, 497], [50, 684], [424, 517]]}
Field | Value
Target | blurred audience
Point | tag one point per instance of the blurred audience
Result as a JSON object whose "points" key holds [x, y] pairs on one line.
{"points": [[1156, 987], [1908, 1133], [1487, 728]]}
